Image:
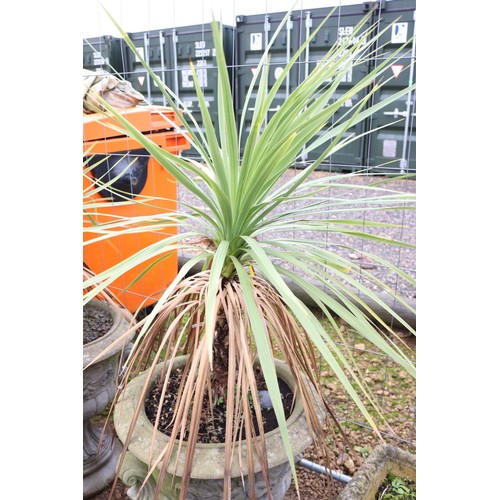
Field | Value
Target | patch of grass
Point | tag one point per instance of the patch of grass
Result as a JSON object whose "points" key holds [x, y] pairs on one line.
{"points": [[391, 388]]}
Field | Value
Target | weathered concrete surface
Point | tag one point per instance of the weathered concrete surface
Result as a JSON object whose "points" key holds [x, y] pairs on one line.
{"points": [[385, 459], [134, 472]]}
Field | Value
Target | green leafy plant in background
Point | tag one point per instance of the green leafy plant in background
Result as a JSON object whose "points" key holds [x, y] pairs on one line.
{"points": [[396, 488], [240, 306]]}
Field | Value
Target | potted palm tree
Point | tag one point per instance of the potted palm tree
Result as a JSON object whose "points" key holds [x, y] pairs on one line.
{"points": [[214, 335]]}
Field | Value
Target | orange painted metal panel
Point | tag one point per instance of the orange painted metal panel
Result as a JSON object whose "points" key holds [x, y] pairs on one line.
{"points": [[160, 189]]}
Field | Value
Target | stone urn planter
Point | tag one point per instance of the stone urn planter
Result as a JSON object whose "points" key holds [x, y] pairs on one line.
{"points": [[101, 450], [207, 476], [383, 460]]}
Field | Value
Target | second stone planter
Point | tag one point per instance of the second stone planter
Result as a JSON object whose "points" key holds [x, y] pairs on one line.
{"points": [[100, 448], [383, 460]]}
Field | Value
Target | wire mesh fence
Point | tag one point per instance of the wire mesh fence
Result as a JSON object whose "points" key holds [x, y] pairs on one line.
{"points": [[173, 38]]}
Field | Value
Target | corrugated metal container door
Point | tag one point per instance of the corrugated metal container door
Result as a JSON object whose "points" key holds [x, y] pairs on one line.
{"points": [[253, 33], [151, 45], [104, 54], [338, 27], [392, 149], [196, 44]]}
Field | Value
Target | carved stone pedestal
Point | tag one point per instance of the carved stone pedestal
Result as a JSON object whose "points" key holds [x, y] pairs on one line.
{"points": [[134, 472], [101, 453], [101, 450]]}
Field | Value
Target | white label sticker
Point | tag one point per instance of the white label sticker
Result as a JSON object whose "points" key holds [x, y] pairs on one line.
{"points": [[141, 53], [255, 41], [399, 33], [202, 75], [202, 53], [389, 147], [99, 59], [277, 72], [187, 81], [345, 32]]}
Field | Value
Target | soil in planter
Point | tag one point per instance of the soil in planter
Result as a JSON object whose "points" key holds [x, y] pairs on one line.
{"points": [[96, 323], [212, 429]]}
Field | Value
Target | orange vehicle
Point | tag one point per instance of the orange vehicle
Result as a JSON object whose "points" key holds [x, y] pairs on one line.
{"points": [[129, 171]]}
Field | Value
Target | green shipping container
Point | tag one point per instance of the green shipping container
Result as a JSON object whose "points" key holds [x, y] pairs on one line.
{"points": [[338, 27], [386, 150], [168, 52], [253, 34], [104, 54], [392, 149], [195, 44], [152, 47], [392, 145]]}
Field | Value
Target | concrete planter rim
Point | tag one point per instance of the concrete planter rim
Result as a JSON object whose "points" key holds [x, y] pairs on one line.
{"points": [[209, 457], [94, 348]]}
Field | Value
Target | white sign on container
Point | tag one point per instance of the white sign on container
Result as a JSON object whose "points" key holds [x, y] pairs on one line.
{"points": [[389, 148], [255, 41], [399, 33], [187, 82]]}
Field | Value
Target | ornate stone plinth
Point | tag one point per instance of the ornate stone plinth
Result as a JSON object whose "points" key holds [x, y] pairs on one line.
{"points": [[134, 472], [101, 450], [207, 476]]}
